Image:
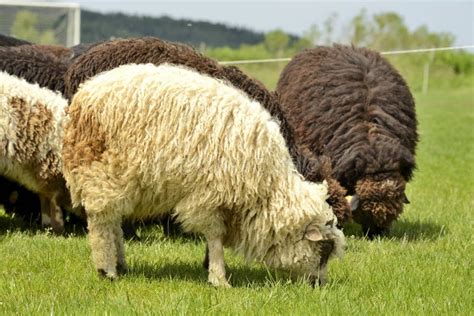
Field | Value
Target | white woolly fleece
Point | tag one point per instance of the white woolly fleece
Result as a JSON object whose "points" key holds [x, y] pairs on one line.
{"points": [[176, 139]]}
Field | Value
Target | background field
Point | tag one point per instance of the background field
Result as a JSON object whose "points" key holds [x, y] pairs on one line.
{"points": [[425, 266]]}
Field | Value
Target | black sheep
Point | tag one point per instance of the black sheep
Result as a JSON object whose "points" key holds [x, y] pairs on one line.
{"points": [[350, 104]]}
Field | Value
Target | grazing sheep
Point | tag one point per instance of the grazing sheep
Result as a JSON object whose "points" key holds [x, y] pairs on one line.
{"points": [[8, 41], [30, 140], [45, 65], [112, 54], [25, 61], [34, 66], [350, 104], [142, 140]]}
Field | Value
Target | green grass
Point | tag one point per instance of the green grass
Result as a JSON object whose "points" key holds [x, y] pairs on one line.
{"points": [[424, 267]]}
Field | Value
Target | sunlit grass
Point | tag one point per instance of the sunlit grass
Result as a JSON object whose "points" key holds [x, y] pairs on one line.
{"points": [[425, 266]]}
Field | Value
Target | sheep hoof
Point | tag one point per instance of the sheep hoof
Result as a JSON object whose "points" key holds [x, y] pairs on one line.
{"points": [[219, 282], [107, 275]]}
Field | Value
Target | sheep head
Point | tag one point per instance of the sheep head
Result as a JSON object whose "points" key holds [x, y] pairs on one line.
{"points": [[306, 252], [378, 201]]}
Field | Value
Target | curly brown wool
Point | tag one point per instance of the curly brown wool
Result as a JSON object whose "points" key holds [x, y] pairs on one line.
{"points": [[34, 66], [350, 104]]}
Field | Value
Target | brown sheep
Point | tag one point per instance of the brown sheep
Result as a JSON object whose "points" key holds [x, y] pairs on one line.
{"points": [[350, 104], [112, 54], [34, 66], [9, 41]]}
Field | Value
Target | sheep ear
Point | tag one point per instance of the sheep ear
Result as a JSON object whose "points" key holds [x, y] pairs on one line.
{"points": [[405, 199], [313, 233], [354, 203]]}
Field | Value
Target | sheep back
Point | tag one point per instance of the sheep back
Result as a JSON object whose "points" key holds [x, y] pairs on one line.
{"points": [[9, 41], [218, 136], [353, 106], [34, 66]]}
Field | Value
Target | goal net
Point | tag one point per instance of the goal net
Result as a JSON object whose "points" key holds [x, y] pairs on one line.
{"points": [[41, 22]]}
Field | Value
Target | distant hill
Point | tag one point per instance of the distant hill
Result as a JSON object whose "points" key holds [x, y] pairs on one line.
{"points": [[97, 26]]}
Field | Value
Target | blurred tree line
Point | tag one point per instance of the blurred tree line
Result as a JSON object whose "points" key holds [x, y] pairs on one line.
{"points": [[97, 26], [382, 32]]}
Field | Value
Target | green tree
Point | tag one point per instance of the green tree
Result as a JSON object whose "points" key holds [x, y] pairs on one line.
{"points": [[276, 42], [25, 26], [360, 29], [313, 35], [390, 32]]}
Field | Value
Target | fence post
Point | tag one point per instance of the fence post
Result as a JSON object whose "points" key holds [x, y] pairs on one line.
{"points": [[426, 73]]}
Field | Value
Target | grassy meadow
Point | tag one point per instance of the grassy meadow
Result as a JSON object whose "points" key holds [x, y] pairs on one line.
{"points": [[425, 266]]}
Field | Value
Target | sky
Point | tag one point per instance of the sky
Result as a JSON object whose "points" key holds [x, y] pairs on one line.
{"points": [[456, 17]]}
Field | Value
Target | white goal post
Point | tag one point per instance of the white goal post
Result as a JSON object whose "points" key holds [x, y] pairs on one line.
{"points": [[41, 22]]}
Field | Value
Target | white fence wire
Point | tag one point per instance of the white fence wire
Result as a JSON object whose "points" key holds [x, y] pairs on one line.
{"points": [[397, 52]]}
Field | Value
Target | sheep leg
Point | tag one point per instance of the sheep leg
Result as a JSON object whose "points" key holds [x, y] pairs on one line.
{"points": [[51, 214], [216, 263], [119, 244], [103, 240], [205, 262], [57, 221], [196, 214], [45, 212]]}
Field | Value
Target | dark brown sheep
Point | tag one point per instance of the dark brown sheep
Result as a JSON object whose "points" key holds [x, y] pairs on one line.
{"points": [[112, 54], [350, 104], [34, 66], [8, 41]]}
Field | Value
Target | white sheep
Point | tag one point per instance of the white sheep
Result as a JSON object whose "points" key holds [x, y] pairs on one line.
{"points": [[30, 143], [142, 140]]}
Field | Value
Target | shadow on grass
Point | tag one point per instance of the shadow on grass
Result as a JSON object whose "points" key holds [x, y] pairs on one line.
{"points": [[404, 230], [10, 223], [239, 277], [413, 231], [146, 232], [242, 276]]}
